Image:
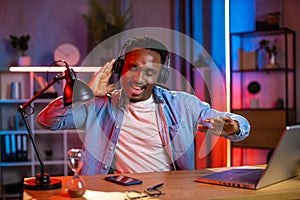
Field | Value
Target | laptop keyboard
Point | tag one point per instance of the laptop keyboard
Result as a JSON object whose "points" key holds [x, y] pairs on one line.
{"points": [[238, 175], [250, 177]]}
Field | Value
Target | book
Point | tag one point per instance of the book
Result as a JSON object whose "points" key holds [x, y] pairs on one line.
{"points": [[13, 147]]}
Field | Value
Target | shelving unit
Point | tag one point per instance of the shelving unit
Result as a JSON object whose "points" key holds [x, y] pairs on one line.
{"points": [[59, 142], [274, 105]]}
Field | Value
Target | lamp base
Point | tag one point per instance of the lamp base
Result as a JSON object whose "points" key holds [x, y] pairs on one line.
{"points": [[42, 182]]}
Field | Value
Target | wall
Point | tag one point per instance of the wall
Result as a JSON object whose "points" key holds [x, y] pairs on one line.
{"points": [[152, 13], [51, 23], [48, 23], [291, 18]]}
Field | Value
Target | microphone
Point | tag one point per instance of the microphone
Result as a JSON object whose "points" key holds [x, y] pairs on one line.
{"points": [[43, 181]]}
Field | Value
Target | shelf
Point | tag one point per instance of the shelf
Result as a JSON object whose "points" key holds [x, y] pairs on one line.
{"points": [[53, 69], [41, 132], [29, 163], [52, 162], [264, 70], [15, 164], [12, 127], [266, 32], [12, 101], [266, 127], [8, 132], [261, 109], [48, 132], [21, 101], [8, 196], [270, 105]]}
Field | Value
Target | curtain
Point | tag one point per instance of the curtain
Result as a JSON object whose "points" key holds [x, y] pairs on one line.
{"points": [[195, 19]]}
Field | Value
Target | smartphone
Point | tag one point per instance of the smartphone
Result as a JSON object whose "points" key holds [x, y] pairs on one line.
{"points": [[123, 180]]}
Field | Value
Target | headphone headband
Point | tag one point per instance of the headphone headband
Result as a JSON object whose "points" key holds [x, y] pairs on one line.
{"points": [[165, 70]]}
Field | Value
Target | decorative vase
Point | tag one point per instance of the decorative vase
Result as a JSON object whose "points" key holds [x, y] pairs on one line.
{"points": [[262, 58], [24, 61], [272, 61]]}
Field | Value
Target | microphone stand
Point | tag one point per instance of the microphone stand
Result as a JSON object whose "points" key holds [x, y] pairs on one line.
{"points": [[42, 181]]}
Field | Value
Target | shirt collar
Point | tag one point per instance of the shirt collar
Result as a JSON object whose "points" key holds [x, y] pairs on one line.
{"points": [[121, 100]]}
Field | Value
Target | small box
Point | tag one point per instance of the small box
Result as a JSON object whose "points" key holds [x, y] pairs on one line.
{"points": [[247, 60]]}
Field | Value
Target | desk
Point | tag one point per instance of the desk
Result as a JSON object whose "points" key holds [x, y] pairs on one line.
{"points": [[178, 185]]}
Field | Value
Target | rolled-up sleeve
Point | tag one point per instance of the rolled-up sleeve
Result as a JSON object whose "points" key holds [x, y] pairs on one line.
{"points": [[207, 112], [55, 116], [244, 128]]}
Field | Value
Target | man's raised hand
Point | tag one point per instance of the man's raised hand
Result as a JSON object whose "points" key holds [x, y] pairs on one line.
{"points": [[99, 82]]}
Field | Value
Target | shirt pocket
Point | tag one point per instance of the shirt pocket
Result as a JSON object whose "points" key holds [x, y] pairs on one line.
{"points": [[180, 140], [174, 130]]}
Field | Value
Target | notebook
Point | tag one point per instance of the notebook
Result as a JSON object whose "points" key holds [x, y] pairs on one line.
{"points": [[284, 164]]}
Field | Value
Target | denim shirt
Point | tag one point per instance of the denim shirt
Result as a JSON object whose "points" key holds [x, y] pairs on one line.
{"points": [[101, 118]]}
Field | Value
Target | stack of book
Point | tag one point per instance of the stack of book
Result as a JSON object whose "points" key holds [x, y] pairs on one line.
{"points": [[13, 147]]}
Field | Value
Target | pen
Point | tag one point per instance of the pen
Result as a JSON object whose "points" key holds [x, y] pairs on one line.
{"points": [[157, 186], [153, 191]]}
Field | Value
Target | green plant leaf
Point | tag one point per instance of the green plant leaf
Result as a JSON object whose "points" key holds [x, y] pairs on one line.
{"points": [[103, 24], [20, 43]]}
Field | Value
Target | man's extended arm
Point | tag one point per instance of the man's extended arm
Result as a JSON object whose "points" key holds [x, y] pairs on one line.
{"points": [[55, 116]]}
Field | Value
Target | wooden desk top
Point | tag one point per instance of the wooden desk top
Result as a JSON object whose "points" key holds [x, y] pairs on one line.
{"points": [[177, 185]]}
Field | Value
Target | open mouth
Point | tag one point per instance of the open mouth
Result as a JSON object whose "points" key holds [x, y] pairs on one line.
{"points": [[137, 90]]}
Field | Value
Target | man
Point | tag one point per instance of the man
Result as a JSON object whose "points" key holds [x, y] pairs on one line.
{"points": [[140, 127]]}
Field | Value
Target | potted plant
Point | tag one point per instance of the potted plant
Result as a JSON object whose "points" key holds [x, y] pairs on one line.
{"points": [[271, 49], [103, 24], [21, 45]]}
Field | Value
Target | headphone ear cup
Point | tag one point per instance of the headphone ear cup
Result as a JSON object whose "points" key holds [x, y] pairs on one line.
{"points": [[165, 71], [163, 75], [118, 65]]}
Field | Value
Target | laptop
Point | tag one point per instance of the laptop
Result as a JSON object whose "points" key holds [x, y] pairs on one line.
{"points": [[284, 164]]}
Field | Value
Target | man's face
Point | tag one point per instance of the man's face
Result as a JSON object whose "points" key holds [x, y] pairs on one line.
{"points": [[140, 72]]}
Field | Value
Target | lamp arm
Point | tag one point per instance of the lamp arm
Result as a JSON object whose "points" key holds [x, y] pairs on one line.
{"points": [[55, 79], [21, 109]]}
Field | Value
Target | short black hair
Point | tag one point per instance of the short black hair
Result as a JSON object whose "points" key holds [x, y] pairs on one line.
{"points": [[150, 43]]}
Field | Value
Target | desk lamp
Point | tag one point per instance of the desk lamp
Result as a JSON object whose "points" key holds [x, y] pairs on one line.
{"points": [[43, 181]]}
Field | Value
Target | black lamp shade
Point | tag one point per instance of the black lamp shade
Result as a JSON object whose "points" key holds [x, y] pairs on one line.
{"points": [[76, 91]]}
